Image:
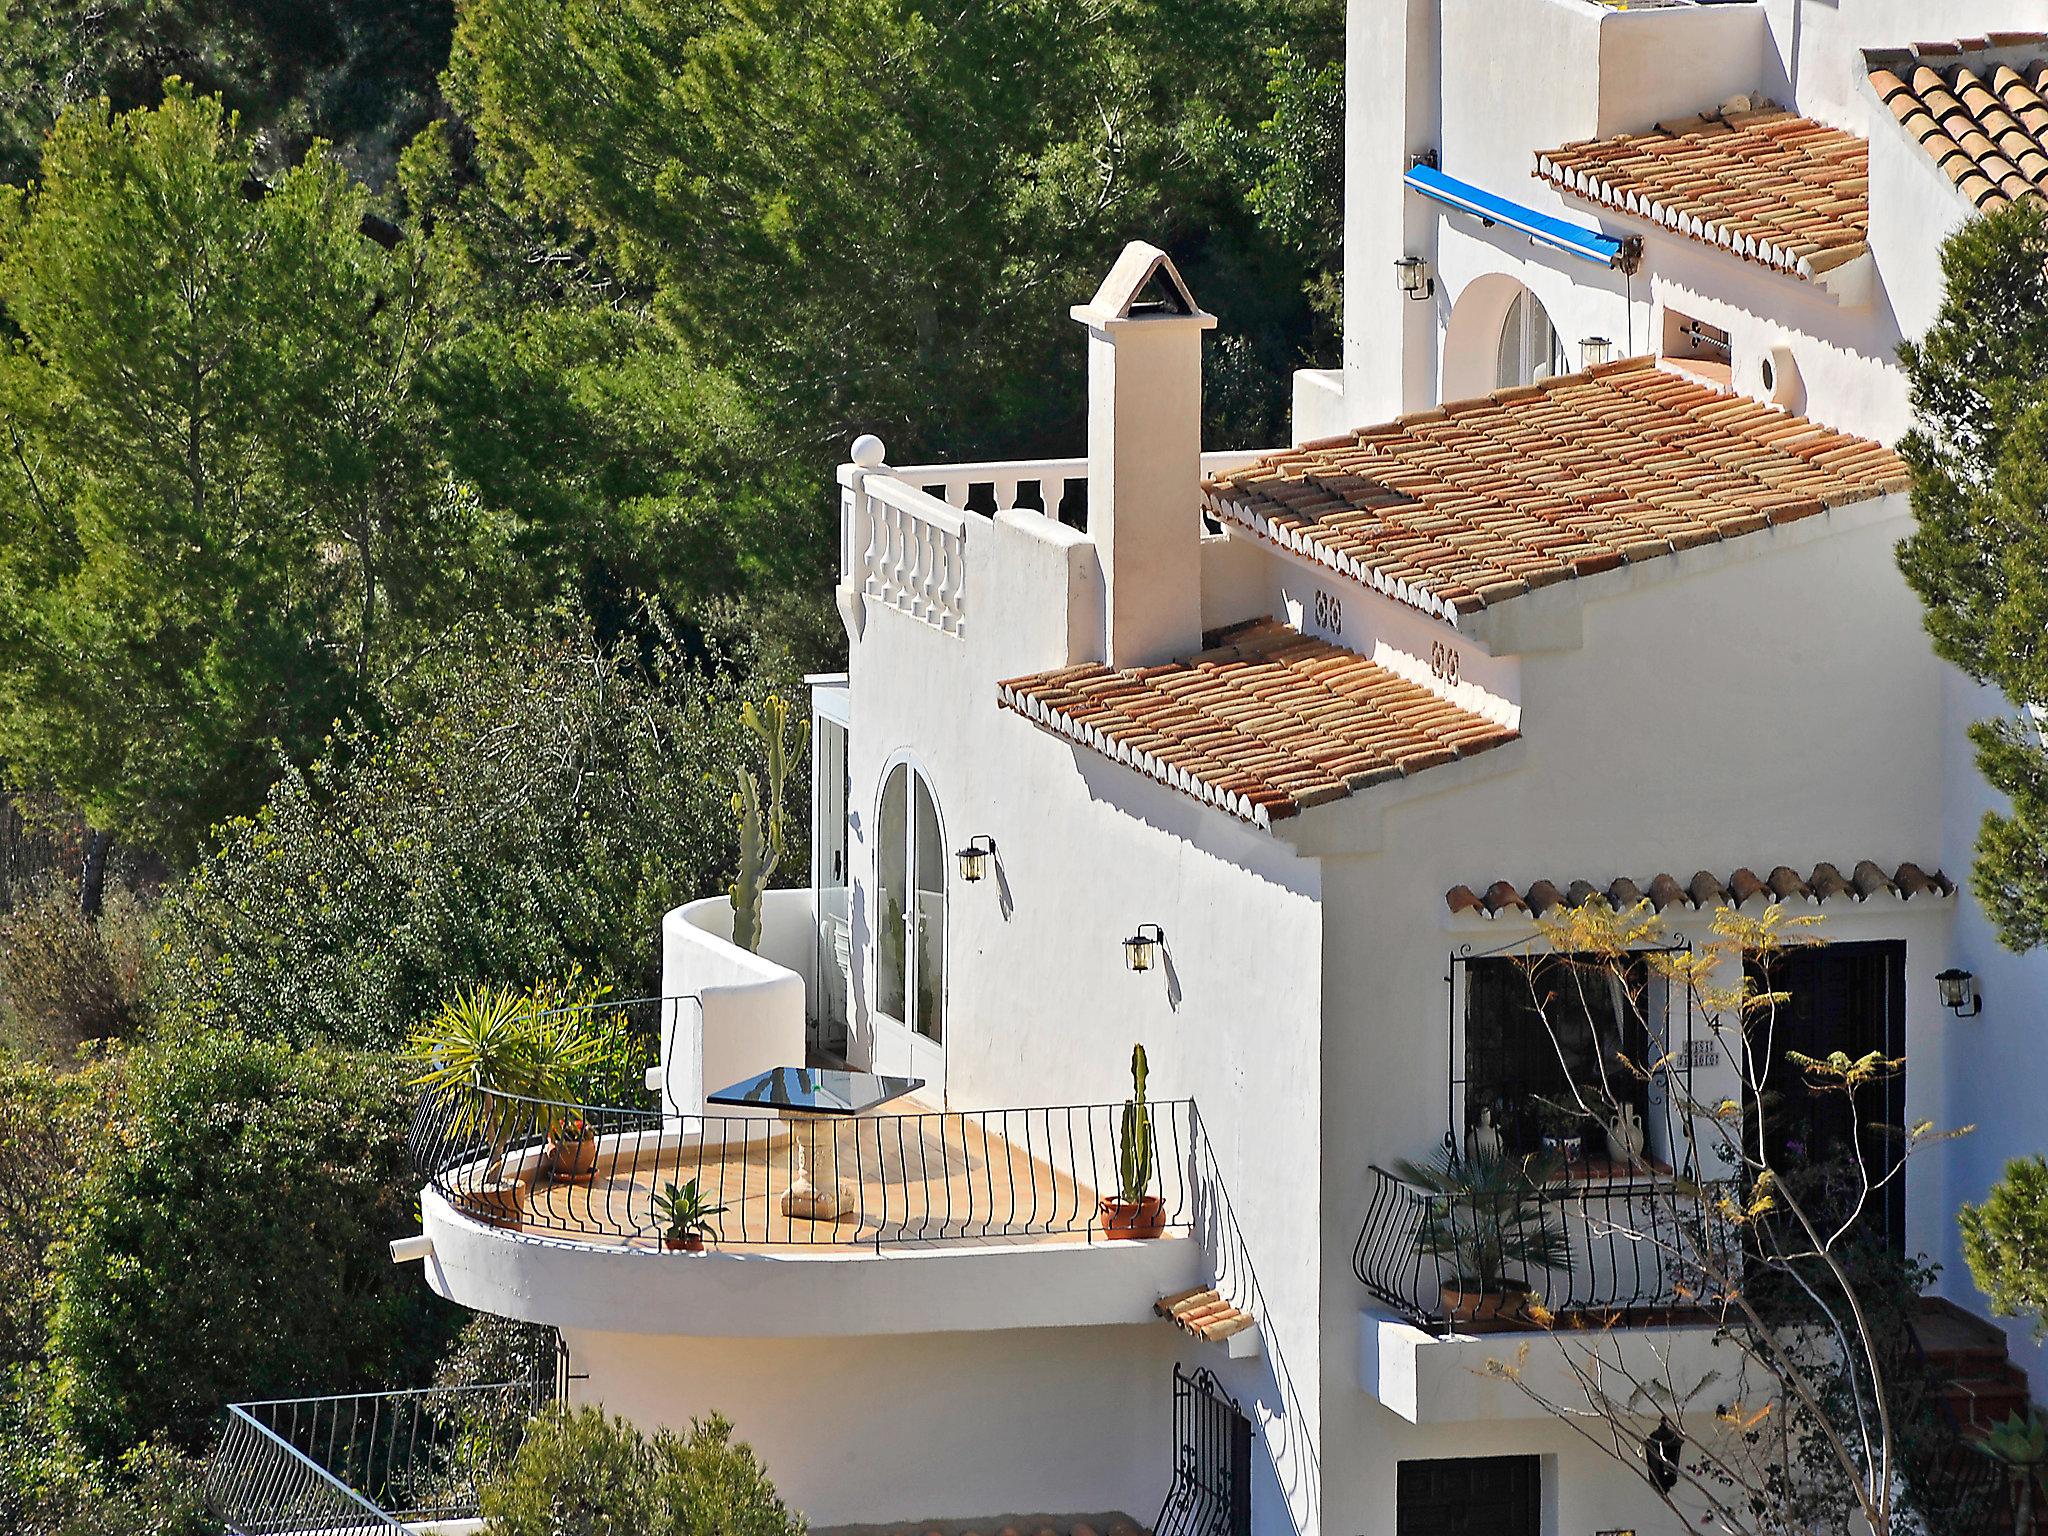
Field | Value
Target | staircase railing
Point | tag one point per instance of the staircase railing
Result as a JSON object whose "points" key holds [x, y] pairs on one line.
{"points": [[367, 1461]]}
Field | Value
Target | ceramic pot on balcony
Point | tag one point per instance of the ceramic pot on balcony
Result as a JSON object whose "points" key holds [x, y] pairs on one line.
{"points": [[1473, 1310], [571, 1155], [1133, 1218], [1625, 1137], [694, 1243]]}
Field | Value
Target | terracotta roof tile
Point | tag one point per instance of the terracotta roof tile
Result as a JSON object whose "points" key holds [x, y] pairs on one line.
{"points": [[1204, 1313], [1767, 184], [1265, 722], [1979, 107], [1480, 501], [1705, 890]]}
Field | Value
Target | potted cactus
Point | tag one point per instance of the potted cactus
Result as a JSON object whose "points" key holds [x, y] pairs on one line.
{"points": [[1133, 1211], [1484, 1214], [686, 1216]]}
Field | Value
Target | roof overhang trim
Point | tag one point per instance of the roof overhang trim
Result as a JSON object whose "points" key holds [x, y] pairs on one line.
{"points": [[1579, 240]]}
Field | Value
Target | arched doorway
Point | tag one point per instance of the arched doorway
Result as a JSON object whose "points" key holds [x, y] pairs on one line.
{"points": [[910, 882], [1499, 337]]}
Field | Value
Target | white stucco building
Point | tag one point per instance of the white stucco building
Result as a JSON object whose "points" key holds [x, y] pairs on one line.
{"points": [[1580, 575]]}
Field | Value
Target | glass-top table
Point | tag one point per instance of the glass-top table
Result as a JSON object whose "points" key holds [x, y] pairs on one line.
{"points": [[809, 1097], [815, 1091]]}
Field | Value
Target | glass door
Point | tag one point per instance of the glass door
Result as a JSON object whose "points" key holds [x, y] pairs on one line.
{"points": [[910, 976], [828, 884]]}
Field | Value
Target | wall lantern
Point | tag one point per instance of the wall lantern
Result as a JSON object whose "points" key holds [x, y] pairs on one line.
{"points": [[1415, 279], [1660, 1455], [1141, 947], [975, 856], [1959, 993], [1594, 351]]}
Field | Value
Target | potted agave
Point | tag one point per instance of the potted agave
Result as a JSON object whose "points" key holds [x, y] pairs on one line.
{"points": [[686, 1217], [1484, 1214], [1133, 1211]]}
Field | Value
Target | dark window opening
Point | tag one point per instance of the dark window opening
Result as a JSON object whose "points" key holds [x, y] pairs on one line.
{"points": [[1546, 1041], [1470, 1496]]}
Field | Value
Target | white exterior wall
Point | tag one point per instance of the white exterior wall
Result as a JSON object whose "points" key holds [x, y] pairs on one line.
{"points": [[1061, 1421], [749, 1013], [1816, 45], [1751, 715], [1040, 1008]]}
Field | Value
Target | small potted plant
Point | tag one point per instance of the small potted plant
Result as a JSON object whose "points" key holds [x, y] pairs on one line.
{"points": [[1485, 1215], [571, 1152], [686, 1216], [1133, 1211]]}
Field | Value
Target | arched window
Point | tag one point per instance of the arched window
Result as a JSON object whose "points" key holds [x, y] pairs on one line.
{"points": [[910, 984], [1529, 348]]}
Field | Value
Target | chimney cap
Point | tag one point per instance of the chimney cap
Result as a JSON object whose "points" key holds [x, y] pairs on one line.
{"points": [[1143, 287]]}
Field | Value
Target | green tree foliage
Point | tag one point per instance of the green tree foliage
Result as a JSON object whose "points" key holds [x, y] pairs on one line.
{"points": [[358, 73], [876, 215], [536, 807], [217, 527], [583, 1473], [2005, 1241], [1979, 557], [50, 1125], [231, 1243]]}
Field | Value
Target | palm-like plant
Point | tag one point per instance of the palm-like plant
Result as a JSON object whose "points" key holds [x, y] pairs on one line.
{"points": [[500, 1059], [475, 1055], [2020, 1445], [1485, 1213], [685, 1211]]}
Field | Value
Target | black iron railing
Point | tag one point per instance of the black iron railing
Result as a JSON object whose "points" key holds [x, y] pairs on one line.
{"points": [[600, 1172], [370, 1461], [1211, 1491], [1639, 1247]]}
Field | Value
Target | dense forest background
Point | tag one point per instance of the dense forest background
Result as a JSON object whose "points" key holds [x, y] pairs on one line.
{"points": [[416, 433]]}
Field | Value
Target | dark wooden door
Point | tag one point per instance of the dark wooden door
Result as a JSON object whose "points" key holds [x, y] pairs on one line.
{"points": [[1470, 1496], [1849, 998]]}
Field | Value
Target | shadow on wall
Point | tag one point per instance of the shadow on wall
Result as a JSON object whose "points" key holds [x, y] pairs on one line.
{"points": [[1282, 1430]]}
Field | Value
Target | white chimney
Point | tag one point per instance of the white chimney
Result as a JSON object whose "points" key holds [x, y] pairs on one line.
{"points": [[1145, 456]]}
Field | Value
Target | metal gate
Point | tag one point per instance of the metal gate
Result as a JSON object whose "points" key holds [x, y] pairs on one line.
{"points": [[1212, 1466]]}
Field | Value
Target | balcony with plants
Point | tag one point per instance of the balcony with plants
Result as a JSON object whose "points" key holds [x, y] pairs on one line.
{"points": [[558, 1187]]}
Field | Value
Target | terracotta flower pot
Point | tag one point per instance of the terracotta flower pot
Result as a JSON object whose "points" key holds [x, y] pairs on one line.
{"points": [[572, 1160], [494, 1202], [1124, 1219], [694, 1243], [1477, 1311]]}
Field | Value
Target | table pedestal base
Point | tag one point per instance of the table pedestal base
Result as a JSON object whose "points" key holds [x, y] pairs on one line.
{"points": [[804, 1200]]}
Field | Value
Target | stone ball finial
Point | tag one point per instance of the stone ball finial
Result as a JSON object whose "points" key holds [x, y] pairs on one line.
{"points": [[868, 451]]}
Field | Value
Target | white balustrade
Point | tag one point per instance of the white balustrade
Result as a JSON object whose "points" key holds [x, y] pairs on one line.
{"points": [[903, 531], [907, 549]]}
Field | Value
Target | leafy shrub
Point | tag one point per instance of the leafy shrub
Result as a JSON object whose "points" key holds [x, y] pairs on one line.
{"points": [[44, 1491], [65, 978], [584, 1473], [2005, 1241], [49, 1126], [231, 1243], [532, 809]]}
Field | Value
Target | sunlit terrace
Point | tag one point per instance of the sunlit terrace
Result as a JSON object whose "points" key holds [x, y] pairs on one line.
{"points": [[760, 1182]]}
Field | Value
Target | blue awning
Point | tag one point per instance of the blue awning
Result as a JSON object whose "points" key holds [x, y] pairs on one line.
{"points": [[1559, 234]]}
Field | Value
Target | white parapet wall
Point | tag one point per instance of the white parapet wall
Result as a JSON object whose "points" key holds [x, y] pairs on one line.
{"points": [[749, 1008]]}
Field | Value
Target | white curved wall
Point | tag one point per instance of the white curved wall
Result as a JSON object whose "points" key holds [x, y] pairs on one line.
{"points": [[835, 1292], [751, 1007]]}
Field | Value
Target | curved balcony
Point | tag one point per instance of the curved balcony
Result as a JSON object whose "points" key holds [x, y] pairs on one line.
{"points": [[949, 1220]]}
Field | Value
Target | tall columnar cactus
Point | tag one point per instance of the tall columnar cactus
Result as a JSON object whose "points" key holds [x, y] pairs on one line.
{"points": [[1134, 1152], [762, 818]]}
